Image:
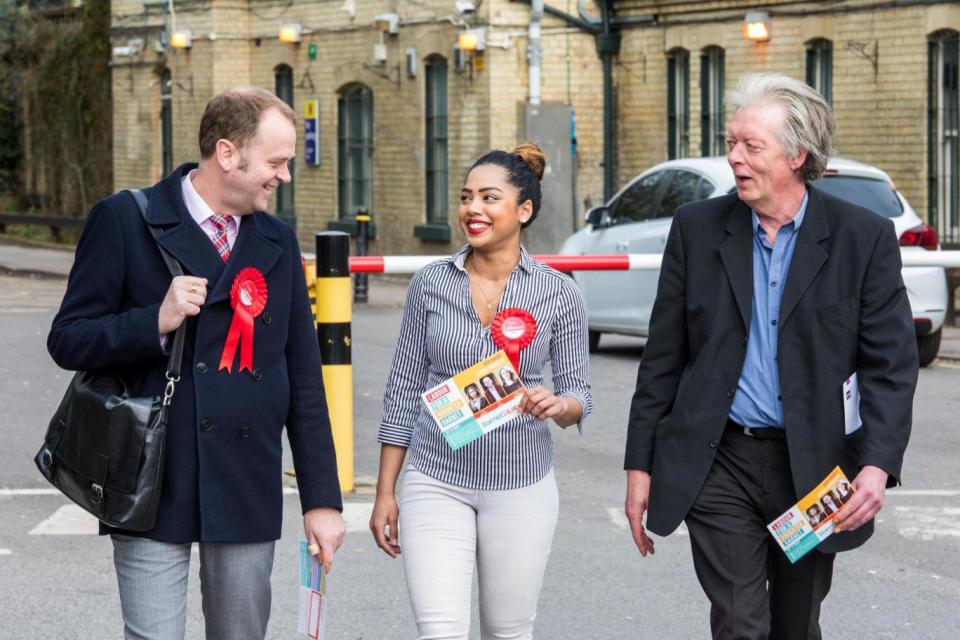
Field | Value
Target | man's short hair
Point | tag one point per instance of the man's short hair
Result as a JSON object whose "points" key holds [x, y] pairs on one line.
{"points": [[234, 115], [809, 124]]}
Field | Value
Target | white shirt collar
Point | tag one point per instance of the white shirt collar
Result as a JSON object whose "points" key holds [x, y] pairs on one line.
{"points": [[198, 208]]}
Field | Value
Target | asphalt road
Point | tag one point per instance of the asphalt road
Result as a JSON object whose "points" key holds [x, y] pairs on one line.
{"points": [[57, 581]]}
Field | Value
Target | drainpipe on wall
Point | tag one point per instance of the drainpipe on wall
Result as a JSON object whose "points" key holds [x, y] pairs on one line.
{"points": [[534, 51], [608, 45]]}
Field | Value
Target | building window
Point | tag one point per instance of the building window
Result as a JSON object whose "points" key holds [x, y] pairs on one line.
{"points": [[355, 150], [436, 141], [820, 67], [678, 103], [283, 79], [712, 132], [943, 125], [166, 122]]}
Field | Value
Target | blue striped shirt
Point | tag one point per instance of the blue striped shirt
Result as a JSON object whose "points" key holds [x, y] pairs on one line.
{"points": [[441, 335]]}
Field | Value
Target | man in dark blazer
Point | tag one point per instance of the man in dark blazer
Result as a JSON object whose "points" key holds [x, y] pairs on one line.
{"points": [[222, 477], [769, 299]]}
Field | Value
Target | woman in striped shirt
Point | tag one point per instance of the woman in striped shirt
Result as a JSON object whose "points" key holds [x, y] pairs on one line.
{"points": [[492, 504]]}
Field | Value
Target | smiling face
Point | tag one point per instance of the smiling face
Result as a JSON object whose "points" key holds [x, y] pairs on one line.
{"points": [[763, 172], [472, 392], [253, 172], [489, 214]]}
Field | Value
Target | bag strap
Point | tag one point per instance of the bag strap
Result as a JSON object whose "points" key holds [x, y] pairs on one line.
{"points": [[176, 350]]}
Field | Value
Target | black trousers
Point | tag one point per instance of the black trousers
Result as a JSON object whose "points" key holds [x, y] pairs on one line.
{"points": [[755, 592]]}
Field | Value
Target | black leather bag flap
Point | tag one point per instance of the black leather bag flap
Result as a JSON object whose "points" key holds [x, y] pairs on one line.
{"points": [[103, 430]]}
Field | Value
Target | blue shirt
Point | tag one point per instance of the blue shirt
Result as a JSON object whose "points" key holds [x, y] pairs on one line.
{"points": [[757, 401]]}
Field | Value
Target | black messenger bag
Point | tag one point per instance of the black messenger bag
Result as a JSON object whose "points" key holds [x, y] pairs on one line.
{"points": [[104, 449]]}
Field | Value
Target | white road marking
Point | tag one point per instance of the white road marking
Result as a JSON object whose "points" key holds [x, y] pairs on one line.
{"points": [[618, 518], [938, 493], [12, 493], [929, 523], [6, 552], [356, 515], [68, 520]]}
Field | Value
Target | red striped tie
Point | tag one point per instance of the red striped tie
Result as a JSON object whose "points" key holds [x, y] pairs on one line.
{"points": [[220, 237]]}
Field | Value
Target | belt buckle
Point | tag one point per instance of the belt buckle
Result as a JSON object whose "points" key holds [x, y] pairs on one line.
{"points": [[747, 431]]}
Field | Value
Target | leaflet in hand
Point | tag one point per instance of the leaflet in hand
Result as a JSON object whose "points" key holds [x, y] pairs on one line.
{"points": [[808, 522], [476, 401], [312, 614]]}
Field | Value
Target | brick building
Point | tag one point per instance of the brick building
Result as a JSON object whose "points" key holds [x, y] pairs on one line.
{"points": [[403, 113]]}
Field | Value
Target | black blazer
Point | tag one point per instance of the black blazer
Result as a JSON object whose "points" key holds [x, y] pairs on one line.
{"points": [[222, 479], [844, 310]]}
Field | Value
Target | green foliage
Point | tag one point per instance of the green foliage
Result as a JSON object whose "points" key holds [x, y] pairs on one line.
{"points": [[60, 67]]}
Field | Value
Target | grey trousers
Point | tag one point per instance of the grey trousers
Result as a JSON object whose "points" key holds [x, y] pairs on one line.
{"points": [[234, 583]]}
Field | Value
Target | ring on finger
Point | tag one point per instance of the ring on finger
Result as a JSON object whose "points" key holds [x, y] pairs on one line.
{"points": [[192, 289]]}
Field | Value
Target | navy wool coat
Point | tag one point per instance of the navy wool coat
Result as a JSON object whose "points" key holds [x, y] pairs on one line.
{"points": [[222, 476]]}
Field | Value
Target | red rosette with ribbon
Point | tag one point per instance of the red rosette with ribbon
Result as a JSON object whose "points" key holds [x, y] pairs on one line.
{"points": [[248, 297], [513, 330]]}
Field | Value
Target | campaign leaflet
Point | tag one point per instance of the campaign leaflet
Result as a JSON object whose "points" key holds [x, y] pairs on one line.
{"points": [[476, 401], [807, 523], [313, 602]]}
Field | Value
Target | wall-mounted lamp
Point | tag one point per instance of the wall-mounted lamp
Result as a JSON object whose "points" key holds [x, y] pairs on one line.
{"points": [[291, 33], [756, 26], [387, 23], [472, 40], [181, 39]]}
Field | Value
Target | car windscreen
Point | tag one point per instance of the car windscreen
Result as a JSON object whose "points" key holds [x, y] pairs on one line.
{"points": [[870, 193]]}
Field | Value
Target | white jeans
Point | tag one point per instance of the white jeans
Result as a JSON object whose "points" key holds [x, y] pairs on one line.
{"points": [[446, 531]]}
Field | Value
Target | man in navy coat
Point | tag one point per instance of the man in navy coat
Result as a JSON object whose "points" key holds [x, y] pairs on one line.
{"points": [[244, 375]]}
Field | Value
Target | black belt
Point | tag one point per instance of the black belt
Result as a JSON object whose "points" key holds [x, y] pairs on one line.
{"points": [[760, 433]]}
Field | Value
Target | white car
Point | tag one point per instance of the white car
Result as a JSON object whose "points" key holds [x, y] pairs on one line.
{"points": [[637, 220]]}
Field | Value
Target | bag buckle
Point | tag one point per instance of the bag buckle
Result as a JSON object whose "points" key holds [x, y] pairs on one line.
{"points": [[97, 491], [168, 391]]}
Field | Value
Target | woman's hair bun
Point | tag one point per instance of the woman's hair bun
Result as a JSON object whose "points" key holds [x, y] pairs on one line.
{"points": [[532, 155]]}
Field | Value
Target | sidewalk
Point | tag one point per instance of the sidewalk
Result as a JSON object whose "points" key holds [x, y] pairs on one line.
{"points": [[25, 260]]}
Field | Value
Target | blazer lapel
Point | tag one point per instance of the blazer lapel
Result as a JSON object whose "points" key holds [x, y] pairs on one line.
{"points": [[181, 237], [808, 255], [257, 246], [736, 254]]}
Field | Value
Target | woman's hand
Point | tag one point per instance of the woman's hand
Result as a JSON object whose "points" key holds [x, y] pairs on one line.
{"points": [[383, 523], [540, 403]]}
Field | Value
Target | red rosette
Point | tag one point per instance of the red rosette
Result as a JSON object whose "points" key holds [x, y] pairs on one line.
{"points": [[248, 297], [513, 330]]}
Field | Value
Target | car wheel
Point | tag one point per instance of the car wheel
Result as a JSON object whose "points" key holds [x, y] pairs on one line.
{"points": [[594, 341], [928, 346]]}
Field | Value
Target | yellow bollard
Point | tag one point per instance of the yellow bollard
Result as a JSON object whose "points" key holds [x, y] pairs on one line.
{"points": [[333, 316]]}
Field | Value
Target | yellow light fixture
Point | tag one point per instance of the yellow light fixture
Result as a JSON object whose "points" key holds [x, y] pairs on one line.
{"points": [[181, 39], [756, 26], [291, 33], [467, 41]]}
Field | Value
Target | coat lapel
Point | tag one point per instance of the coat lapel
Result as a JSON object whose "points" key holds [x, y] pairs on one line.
{"points": [[808, 254], [257, 246], [180, 236], [736, 254]]}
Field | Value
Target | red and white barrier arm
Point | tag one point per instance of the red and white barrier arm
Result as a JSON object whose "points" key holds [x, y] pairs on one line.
{"points": [[608, 262]]}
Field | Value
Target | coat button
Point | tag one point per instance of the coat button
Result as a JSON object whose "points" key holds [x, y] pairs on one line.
{"points": [[256, 374], [744, 339], [265, 317], [714, 443], [201, 367], [730, 392], [244, 432], [206, 425]]}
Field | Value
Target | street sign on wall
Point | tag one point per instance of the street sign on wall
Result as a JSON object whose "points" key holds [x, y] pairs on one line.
{"points": [[311, 133]]}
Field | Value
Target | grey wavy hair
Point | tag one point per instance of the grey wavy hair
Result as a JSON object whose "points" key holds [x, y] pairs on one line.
{"points": [[809, 124]]}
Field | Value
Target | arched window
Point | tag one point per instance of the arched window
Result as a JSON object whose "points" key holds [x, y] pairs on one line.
{"points": [[678, 103], [166, 122], [436, 140], [943, 135], [820, 67], [283, 87], [354, 149], [712, 131]]}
